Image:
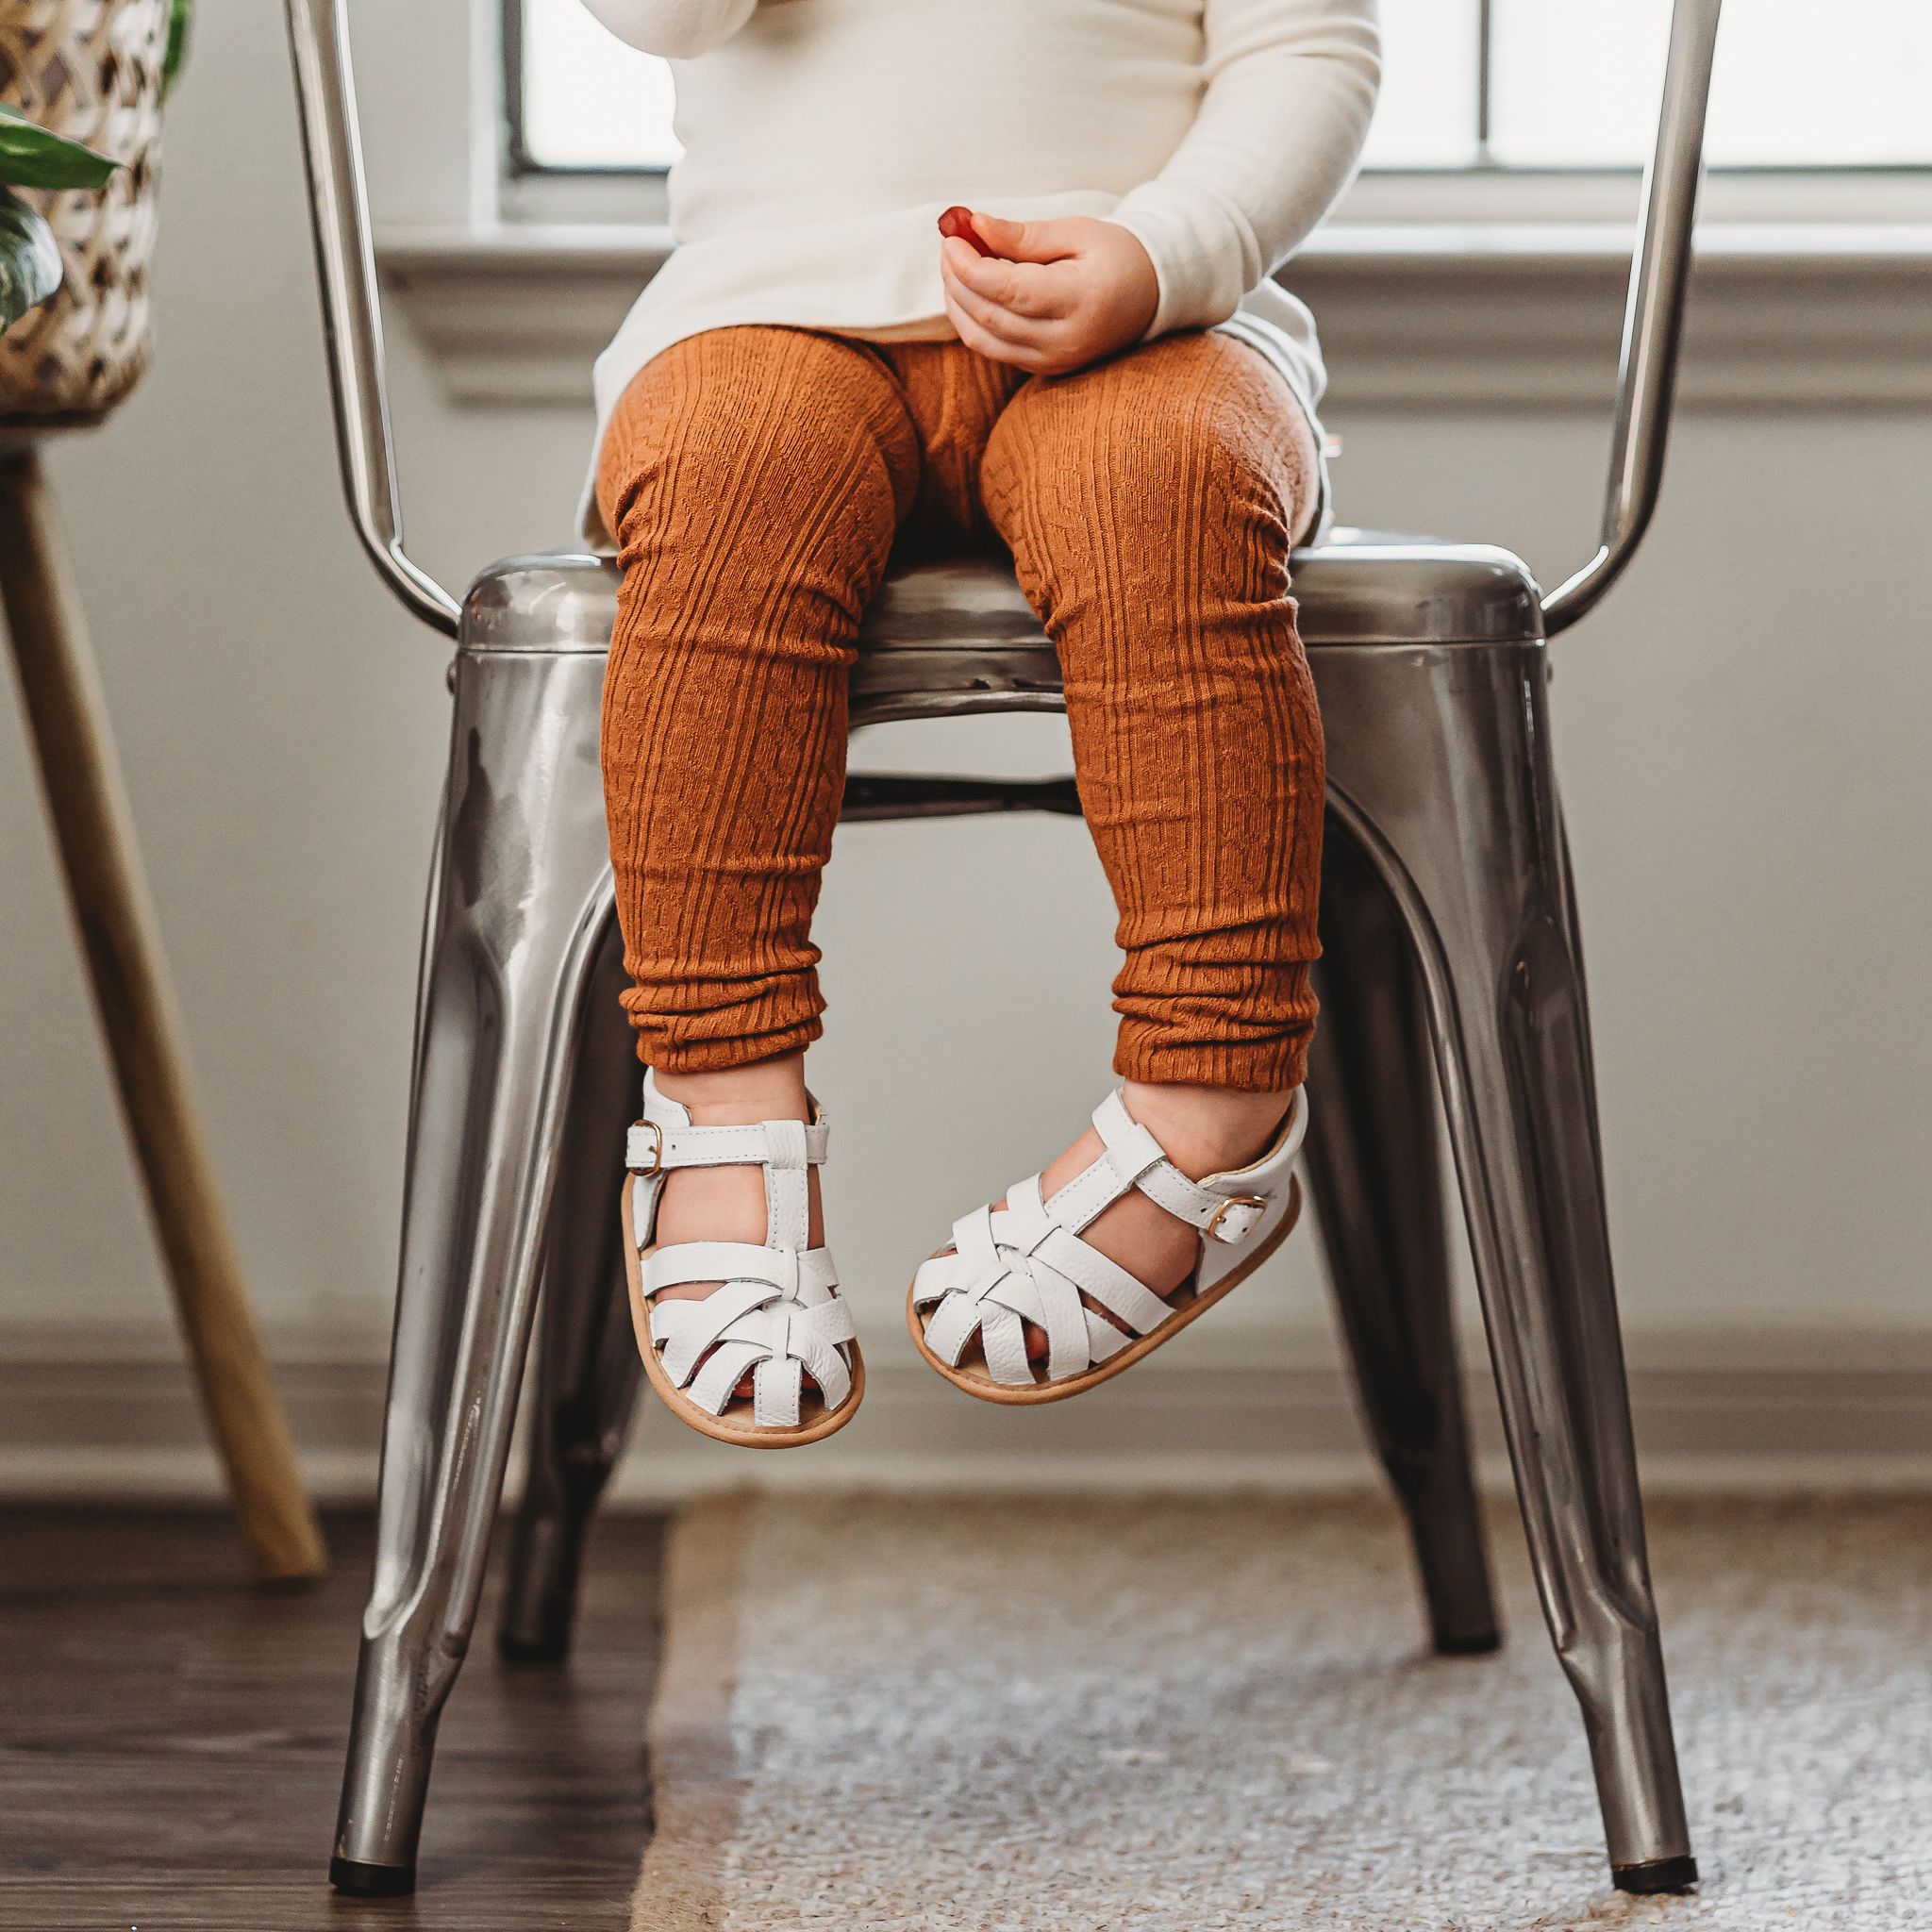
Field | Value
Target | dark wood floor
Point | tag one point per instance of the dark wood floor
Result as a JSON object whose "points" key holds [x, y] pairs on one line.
{"points": [[171, 1741]]}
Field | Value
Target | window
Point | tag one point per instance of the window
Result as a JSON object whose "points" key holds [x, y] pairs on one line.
{"points": [[1491, 84]]}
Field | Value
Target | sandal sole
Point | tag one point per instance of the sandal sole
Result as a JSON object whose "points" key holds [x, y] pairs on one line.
{"points": [[987, 1390], [745, 1436]]}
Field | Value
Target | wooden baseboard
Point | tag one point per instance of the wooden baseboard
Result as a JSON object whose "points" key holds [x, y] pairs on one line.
{"points": [[1764, 1408]]}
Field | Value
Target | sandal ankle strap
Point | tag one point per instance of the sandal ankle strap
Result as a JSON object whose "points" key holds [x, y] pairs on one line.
{"points": [[654, 1147], [1132, 1158]]}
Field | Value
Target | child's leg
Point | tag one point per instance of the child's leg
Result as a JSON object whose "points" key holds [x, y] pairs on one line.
{"points": [[1150, 503], [754, 478]]}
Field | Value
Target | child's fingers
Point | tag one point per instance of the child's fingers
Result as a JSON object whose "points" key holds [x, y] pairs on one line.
{"points": [[1024, 288], [984, 331], [997, 317], [1022, 332], [994, 348], [990, 316], [1038, 242]]}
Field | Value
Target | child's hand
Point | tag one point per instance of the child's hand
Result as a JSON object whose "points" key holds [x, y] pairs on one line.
{"points": [[1046, 296]]}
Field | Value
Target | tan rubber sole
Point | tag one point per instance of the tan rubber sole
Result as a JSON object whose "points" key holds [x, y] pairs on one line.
{"points": [[810, 1427], [987, 1390]]}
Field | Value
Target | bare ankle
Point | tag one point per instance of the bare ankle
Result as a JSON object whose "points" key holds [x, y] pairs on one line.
{"points": [[738, 1096], [1208, 1130], [728, 1203]]}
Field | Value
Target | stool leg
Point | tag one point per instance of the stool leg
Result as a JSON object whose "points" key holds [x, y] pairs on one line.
{"points": [[518, 899], [587, 1369], [95, 831], [1451, 789], [1374, 1173]]}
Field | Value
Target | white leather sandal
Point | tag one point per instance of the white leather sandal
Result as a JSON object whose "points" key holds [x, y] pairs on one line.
{"points": [[1026, 1262], [778, 1315]]}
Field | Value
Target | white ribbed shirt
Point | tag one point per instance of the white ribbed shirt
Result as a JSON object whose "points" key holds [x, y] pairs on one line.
{"points": [[822, 138]]}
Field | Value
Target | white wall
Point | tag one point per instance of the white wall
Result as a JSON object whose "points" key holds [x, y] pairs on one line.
{"points": [[1743, 735]]}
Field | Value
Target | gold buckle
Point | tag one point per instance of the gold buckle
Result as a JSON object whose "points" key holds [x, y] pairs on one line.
{"points": [[1213, 1227], [656, 1166]]}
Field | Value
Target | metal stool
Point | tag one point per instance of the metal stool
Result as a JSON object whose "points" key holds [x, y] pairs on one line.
{"points": [[1448, 914]]}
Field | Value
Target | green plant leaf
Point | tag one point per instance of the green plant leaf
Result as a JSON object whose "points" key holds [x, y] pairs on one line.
{"points": [[32, 157], [180, 15], [30, 266]]}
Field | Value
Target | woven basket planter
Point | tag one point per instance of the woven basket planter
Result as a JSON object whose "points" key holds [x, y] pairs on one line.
{"points": [[89, 70]]}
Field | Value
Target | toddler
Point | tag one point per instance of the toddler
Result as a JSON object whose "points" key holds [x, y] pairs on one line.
{"points": [[951, 276]]}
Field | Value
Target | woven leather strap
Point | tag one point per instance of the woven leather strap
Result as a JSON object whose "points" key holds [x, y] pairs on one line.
{"points": [[1026, 1262], [777, 1317]]}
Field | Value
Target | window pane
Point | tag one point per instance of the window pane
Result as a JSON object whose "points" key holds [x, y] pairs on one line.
{"points": [[1803, 85], [591, 101], [588, 100], [1575, 83], [1426, 115]]}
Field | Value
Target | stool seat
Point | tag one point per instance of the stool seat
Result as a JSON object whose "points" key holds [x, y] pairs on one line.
{"points": [[963, 624]]}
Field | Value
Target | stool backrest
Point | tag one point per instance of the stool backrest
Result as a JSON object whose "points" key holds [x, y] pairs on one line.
{"points": [[352, 315], [351, 309], [1653, 314]]}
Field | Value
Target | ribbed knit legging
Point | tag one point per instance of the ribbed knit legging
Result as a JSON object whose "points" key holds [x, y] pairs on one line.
{"points": [[757, 479]]}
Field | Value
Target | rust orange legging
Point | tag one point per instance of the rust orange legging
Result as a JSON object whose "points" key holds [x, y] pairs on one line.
{"points": [[757, 479]]}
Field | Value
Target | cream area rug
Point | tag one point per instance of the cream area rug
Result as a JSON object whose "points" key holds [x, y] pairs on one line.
{"points": [[883, 1715]]}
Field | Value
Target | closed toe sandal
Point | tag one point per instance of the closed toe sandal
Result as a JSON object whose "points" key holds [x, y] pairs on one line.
{"points": [[1026, 1262], [778, 1315]]}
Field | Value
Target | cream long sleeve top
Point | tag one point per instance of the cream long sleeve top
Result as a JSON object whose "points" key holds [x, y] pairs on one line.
{"points": [[822, 138]]}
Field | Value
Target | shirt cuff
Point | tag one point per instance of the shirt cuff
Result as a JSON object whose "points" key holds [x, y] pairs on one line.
{"points": [[1201, 252]]}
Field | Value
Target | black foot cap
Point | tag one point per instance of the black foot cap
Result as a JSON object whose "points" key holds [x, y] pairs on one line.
{"points": [[370, 1881], [1471, 1644], [1660, 1874]]}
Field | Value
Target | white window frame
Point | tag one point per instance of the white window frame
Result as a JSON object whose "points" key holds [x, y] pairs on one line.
{"points": [[1453, 288]]}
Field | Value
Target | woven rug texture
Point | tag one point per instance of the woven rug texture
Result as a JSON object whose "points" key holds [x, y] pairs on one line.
{"points": [[885, 1715]]}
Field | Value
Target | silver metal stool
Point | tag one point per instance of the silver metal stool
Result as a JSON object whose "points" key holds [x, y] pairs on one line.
{"points": [[1448, 916]]}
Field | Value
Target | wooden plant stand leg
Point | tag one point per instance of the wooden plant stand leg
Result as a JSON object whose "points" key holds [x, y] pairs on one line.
{"points": [[89, 809]]}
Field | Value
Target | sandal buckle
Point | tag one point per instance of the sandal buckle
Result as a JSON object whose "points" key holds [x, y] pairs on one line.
{"points": [[656, 1133], [1213, 1230]]}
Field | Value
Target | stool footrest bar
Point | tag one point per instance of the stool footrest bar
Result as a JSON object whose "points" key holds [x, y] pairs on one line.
{"points": [[891, 796]]}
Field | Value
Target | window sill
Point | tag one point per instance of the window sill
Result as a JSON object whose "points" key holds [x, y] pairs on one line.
{"points": [[1413, 315]]}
